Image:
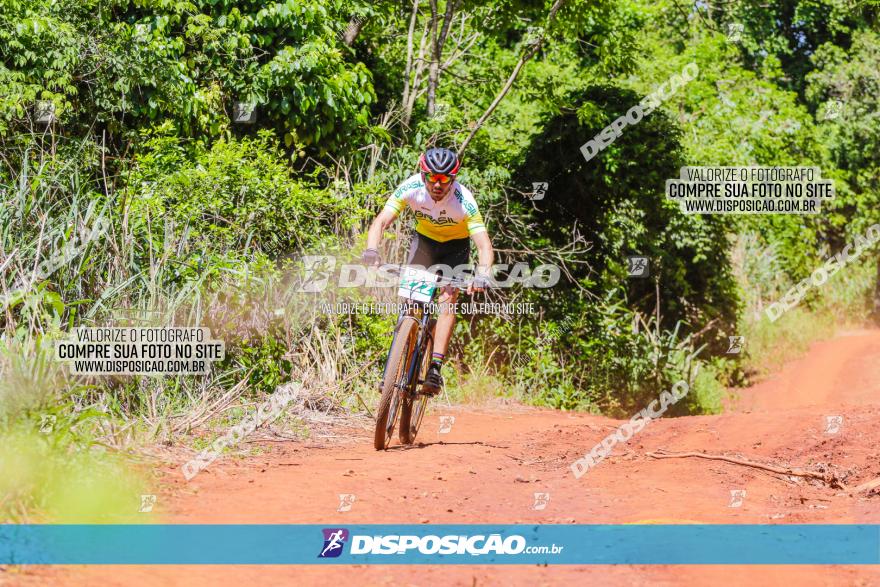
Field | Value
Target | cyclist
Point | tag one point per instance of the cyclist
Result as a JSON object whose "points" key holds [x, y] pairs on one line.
{"points": [[447, 218]]}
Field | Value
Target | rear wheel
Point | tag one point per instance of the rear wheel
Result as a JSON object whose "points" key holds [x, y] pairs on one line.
{"points": [[413, 410], [395, 375]]}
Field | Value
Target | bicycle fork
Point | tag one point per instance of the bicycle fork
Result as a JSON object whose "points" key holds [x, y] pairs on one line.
{"points": [[413, 383], [426, 328]]}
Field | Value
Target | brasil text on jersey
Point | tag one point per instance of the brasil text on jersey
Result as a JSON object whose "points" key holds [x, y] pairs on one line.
{"points": [[455, 216]]}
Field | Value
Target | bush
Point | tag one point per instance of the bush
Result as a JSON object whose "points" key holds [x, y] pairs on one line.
{"points": [[603, 359], [238, 194]]}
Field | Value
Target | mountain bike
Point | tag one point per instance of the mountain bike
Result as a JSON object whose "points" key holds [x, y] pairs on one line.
{"points": [[409, 356]]}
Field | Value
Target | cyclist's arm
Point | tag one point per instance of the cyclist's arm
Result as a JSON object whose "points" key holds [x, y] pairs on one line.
{"points": [[383, 220], [477, 230], [395, 204], [485, 252]]}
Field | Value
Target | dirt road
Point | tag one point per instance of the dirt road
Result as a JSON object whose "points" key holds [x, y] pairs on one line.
{"points": [[488, 467]]}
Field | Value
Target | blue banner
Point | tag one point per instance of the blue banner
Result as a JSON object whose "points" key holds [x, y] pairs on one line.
{"points": [[440, 544]]}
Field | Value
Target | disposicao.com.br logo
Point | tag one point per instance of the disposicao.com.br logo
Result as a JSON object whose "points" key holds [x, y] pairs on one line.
{"points": [[393, 544]]}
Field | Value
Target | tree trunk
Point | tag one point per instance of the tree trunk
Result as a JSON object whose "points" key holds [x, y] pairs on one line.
{"points": [[353, 30], [438, 42], [417, 77], [434, 66], [409, 57]]}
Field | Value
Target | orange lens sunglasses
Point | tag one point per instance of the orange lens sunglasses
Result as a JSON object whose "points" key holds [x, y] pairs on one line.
{"points": [[441, 177]]}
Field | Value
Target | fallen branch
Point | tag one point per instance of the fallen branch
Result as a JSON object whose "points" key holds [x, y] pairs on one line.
{"points": [[827, 478], [868, 485]]}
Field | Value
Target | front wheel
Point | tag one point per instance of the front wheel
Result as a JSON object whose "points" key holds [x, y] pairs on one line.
{"points": [[395, 378], [413, 410]]}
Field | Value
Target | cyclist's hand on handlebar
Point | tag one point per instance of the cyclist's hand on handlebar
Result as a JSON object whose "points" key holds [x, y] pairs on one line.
{"points": [[480, 283], [371, 257]]}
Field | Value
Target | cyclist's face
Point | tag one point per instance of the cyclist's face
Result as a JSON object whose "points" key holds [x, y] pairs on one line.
{"points": [[437, 189]]}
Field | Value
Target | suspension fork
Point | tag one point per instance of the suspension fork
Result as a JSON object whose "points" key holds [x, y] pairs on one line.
{"points": [[416, 360]]}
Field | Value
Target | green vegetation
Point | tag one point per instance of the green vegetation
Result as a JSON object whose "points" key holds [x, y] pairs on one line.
{"points": [[144, 203]]}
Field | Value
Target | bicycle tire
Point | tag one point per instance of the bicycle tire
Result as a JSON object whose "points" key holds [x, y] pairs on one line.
{"points": [[413, 411], [401, 348]]}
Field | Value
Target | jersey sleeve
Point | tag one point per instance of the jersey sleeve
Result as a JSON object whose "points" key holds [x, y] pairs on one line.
{"points": [[398, 200], [474, 218]]}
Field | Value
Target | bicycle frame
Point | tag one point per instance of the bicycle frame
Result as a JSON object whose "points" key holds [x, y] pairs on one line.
{"points": [[402, 391], [418, 311]]}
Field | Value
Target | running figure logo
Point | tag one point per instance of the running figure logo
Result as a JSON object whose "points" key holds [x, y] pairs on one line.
{"points": [[541, 501], [334, 540], [47, 423], [346, 500], [737, 496], [736, 344], [147, 503], [446, 423], [539, 188], [637, 266], [317, 270], [833, 424], [734, 32]]}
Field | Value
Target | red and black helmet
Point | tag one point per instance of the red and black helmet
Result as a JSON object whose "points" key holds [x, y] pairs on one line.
{"points": [[439, 160]]}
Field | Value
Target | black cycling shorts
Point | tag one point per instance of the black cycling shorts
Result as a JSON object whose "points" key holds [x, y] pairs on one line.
{"points": [[426, 251]]}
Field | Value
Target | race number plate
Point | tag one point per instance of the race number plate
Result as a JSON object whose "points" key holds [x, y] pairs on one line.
{"points": [[417, 285]]}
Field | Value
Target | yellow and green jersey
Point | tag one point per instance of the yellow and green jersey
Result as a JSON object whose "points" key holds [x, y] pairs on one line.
{"points": [[455, 216]]}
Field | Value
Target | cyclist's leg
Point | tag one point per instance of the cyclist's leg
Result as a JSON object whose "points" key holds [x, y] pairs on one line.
{"points": [[442, 333], [448, 255], [455, 253], [445, 321]]}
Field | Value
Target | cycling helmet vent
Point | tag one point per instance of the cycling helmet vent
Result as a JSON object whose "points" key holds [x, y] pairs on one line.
{"points": [[439, 160]]}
